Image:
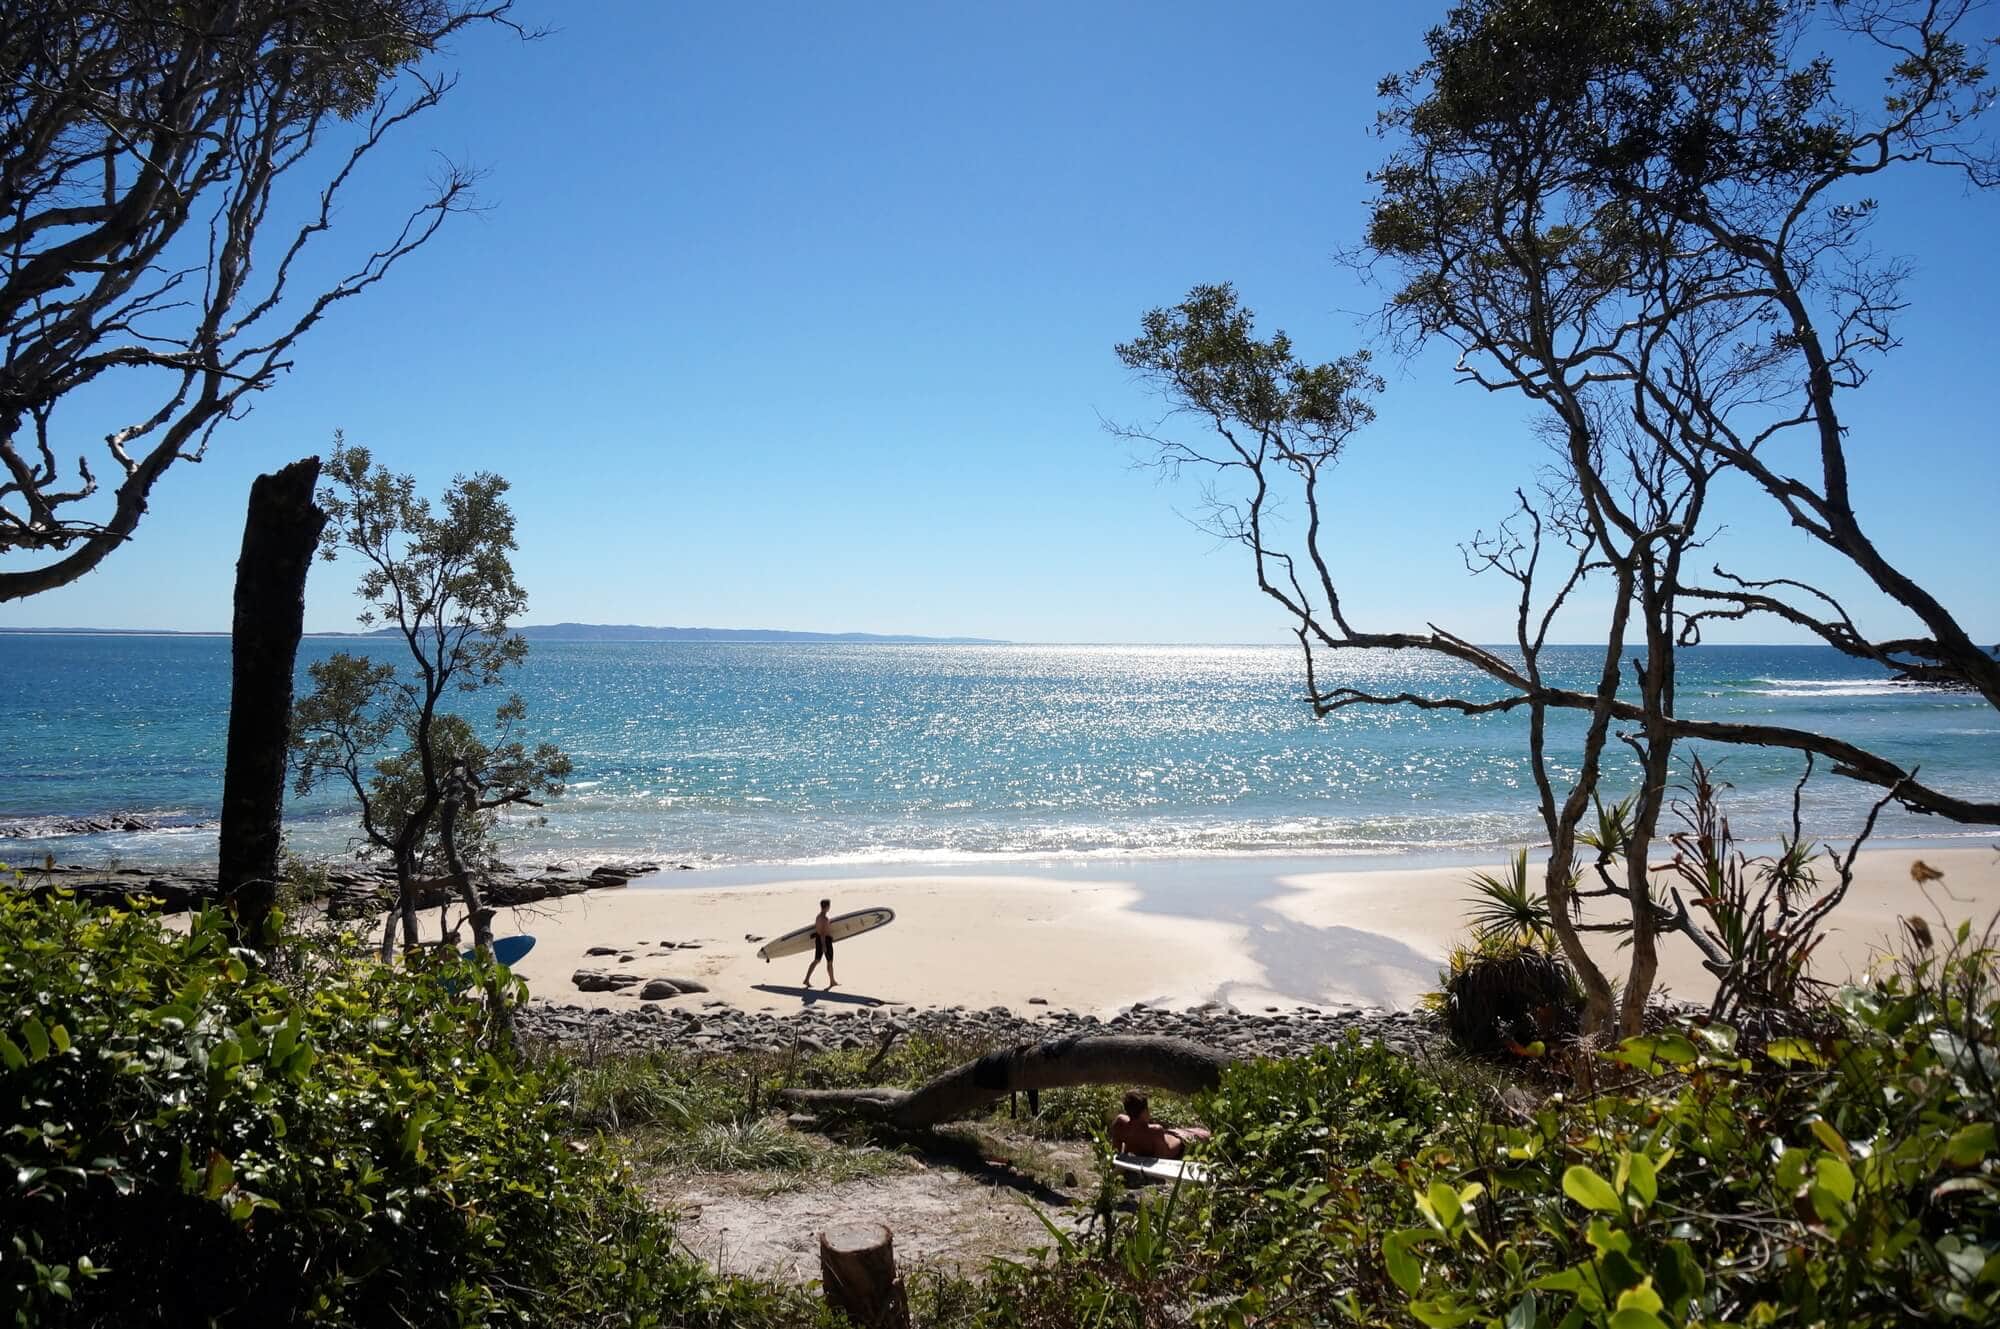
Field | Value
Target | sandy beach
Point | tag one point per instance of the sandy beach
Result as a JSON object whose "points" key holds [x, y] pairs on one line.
{"points": [[1101, 936]]}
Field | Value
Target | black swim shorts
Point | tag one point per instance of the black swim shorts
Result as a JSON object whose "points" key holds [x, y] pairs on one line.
{"points": [[822, 948]]}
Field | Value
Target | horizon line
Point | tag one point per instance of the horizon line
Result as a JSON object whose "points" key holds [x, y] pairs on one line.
{"points": [[791, 636]]}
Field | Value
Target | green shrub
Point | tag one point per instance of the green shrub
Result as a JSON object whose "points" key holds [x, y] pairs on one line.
{"points": [[1852, 1179], [1345, 1105], [1301, 1147], [188, 1140], [1847, 1182], [1509, 998]]}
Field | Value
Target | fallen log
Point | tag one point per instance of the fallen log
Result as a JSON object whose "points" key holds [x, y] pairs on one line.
{"points": [[1173, 1064]]}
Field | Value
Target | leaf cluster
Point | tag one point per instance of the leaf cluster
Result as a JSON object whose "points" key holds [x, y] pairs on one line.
{"points": [[187, 1139], [442, 578], [1848, 1178], [151, 150]]}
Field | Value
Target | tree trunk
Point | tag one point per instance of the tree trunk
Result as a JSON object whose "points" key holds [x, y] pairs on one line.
{"points": [[280, 534], [404, 910], [456, 794], [857, 1271], [1597, 997], [1173, 1064]]}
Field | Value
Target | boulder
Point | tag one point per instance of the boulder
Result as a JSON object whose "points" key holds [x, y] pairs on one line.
{"points": [[659, 988], [597, 980]]}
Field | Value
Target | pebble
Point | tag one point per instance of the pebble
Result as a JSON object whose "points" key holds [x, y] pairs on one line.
{"points": [[722, 1027]]}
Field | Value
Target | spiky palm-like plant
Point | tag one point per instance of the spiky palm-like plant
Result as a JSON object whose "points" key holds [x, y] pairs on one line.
{"points": [[1507, 908]]}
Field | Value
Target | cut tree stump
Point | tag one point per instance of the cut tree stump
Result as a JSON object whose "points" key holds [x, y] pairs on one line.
{"points": [[857, 1270]]}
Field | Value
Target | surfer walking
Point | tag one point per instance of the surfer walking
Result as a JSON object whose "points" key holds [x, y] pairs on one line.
{"points": [[822, 946]]}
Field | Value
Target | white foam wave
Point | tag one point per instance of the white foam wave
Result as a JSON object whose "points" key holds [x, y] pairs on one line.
{"points": [[1838, 687]]}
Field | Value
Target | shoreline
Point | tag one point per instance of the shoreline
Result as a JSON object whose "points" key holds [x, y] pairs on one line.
{"points": [[1247, 934], [1090, 936], [96, 849]]}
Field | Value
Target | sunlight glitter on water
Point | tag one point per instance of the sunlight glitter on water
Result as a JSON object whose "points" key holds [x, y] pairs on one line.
{"points": [[791, 753]]}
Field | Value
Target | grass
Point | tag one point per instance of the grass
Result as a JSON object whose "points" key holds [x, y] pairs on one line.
{"points": [[624, 1093], [909, 1062], [791, 1161], [679, 1114], [836, 1166], [735, 1146]]}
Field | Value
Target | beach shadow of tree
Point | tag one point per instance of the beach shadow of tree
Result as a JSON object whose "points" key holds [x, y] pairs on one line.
{"points": [[1303, 961], [1301, 958]]}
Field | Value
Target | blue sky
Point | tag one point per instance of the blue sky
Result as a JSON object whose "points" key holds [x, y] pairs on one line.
{"points": [[801, 316]]}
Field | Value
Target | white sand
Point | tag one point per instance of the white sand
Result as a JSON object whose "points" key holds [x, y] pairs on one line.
{"points": [[1268, 936], [1424, 908], [972, 941]]}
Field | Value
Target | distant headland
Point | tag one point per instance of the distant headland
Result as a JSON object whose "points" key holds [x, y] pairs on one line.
{"points": [[579, 632]]}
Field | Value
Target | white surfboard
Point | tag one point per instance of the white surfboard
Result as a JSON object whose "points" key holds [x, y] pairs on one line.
{"points": [[1140, 1168], [800, 940]]}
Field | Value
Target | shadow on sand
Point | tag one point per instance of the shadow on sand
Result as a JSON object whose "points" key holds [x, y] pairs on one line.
{"points": [[813, 996]]}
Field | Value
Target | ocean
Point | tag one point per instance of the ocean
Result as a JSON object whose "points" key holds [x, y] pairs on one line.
{"points": [[807, 754]]}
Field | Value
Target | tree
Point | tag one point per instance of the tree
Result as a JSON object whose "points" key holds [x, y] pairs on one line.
{"points": [[1628, 212], [1281, 425], [148, 153], [442, 582], [1644, 214]]}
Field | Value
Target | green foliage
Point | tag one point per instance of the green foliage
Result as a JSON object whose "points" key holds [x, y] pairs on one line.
{"points": [[443, 568], [1613, 832], [1852, 1182], [188, 1139], [1509, 908], [1288, 1122], [1851, 1179], [1510, 997], [1205, 355], [1084, 1112], [1140, 1276], [1764, 916], [441, 576]]}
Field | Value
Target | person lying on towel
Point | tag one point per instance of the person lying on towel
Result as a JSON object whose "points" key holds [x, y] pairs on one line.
{"points": [[1135, 1132]]}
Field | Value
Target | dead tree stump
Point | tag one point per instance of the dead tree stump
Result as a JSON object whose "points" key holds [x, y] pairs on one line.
{"points": [[857, 1270], [280, 534]]}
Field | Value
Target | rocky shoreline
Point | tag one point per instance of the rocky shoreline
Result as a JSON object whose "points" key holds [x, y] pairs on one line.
{"points": [[349, 890], [715, 1027], [101, 823]]}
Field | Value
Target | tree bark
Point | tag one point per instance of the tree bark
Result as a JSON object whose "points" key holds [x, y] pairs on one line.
{"points": [[457, 794], [280, 534], [857, 1271], [1173, 1064]]}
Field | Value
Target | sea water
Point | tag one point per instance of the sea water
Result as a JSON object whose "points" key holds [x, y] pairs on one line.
{"points": [[835, 754]]}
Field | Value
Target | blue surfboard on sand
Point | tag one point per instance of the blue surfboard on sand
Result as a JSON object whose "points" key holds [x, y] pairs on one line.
{"points": [[508, 950]]}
